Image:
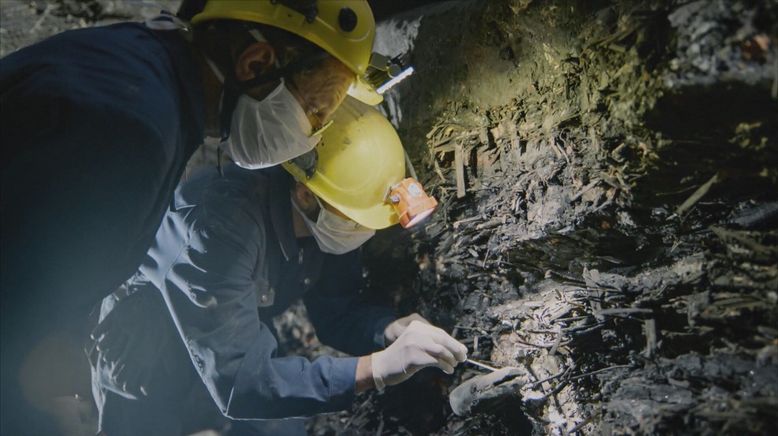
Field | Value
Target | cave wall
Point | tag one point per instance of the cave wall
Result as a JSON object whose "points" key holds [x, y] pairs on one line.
{"points": [[611, 229], [593, 161]]}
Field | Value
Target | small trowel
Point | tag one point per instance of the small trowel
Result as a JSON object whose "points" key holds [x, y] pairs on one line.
{"points": [[481, 365]]}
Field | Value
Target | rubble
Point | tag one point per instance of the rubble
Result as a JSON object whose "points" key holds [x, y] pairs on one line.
{"points": [[28, 21], [608, 217], [581, 236]]}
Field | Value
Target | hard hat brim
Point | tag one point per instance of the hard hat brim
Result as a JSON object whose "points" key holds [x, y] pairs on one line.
{"points": [[377, 217], [353, 47], [364, 92]]}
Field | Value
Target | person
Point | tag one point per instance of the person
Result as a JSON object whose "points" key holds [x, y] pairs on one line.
{"points": [[98, 124], [187, 343]]}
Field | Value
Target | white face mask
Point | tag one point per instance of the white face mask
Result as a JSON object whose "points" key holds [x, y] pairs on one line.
{"points": [[268, 132], [333, 234]]}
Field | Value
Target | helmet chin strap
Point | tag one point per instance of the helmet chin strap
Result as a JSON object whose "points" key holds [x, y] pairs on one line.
{"points": [[232, 90], [215, 69]]}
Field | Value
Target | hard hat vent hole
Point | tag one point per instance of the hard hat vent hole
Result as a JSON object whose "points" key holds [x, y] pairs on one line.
{"points": [[347, 19]]}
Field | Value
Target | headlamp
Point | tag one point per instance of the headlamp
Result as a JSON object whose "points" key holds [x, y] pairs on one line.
{"points": [[383, 72], [410, 202], [381, 75]]}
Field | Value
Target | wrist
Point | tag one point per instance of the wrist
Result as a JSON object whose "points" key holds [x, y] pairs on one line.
{"points": [[364, 375]]}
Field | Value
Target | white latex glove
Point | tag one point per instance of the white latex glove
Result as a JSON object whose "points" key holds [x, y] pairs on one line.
{"points": [[398, 326], [420, 345]]}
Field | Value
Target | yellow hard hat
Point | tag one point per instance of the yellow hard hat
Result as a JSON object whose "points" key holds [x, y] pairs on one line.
{"points": [[360, 158], [343, 28]]}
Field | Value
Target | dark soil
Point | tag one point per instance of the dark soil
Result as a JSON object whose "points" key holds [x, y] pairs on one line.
{"points": [[613, 225], [607, 175]]}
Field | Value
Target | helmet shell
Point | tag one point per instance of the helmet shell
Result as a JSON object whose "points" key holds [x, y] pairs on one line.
{"points": [[360, 157], [343, 28]]}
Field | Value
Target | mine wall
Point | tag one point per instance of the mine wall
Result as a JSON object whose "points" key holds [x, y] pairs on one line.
{"points": [[607, 180], [608, 217]]}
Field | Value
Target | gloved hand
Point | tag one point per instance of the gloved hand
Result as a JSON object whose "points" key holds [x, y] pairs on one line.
{"points": [[420, 345], [398, 326]]}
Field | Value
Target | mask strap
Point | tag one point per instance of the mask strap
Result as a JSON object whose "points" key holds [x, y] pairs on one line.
{"points": [[308, 222], [232, 89], [219, 160], [321, 207], [216, 71], [231, 92], [323, 210], [256, 34], [280, 73]]}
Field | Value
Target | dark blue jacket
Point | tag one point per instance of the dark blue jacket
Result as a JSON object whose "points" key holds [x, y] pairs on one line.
{"points": [[226, 247], [97, 126]]}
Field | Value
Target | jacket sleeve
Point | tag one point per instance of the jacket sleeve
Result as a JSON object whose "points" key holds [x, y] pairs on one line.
{"points": [[209, 287], [340, 315]]}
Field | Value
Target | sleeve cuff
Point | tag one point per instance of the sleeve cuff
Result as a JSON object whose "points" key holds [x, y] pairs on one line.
{"points": [[343, 381]]}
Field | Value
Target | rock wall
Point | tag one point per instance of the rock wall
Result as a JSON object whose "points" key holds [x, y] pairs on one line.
{"points": [[608, 217], [593, 161]]}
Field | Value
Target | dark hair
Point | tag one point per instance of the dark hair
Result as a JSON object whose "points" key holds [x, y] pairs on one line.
{"points": [[224, 40]]}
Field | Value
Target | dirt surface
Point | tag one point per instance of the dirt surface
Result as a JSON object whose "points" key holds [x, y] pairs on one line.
{"points": [[608, 215], [24, 22]]}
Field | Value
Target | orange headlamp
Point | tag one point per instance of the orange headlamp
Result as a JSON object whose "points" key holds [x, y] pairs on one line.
{"points": [[410, 202]]}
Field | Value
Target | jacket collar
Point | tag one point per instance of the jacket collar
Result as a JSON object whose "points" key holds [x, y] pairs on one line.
{"points": [[190, 83], [281, 212]]}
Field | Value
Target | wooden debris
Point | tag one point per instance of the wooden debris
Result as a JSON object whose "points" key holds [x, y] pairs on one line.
{"points": [[460, 170], [697, 195], [649, 328]]}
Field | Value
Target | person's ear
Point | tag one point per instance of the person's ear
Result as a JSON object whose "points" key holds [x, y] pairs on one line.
{"points": [[258, 58], [305, 198]]}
